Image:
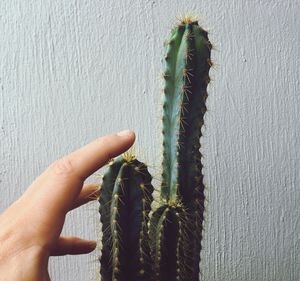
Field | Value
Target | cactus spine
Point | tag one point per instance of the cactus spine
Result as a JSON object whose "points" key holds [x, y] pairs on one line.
{"points": [[168, 247]]}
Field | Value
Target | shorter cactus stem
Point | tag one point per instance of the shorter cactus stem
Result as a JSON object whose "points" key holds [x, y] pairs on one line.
{"points": [[124, 211]]}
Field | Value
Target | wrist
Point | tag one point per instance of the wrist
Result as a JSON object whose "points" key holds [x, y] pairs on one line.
{"points": [[24, 265]]}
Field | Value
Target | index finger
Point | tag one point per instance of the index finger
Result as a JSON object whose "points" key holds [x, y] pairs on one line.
{"points": [[62, 181], [88, 159]]}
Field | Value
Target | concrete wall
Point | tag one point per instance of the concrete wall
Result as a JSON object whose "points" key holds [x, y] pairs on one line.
{"points": [[73, 70]]}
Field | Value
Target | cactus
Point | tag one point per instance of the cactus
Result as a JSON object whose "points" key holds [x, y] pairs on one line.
{"points": [[167, 247], [125, 204]]}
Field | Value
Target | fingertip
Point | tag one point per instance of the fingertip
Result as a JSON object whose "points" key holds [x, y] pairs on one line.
{"points": [[127, 138], [91, 245], [73, 246], [128, 134]]}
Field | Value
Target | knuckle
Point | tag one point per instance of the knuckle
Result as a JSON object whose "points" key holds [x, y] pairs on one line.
{"points": [[63, 167]]}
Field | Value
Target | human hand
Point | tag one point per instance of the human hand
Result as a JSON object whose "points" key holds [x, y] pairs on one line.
{"points": [[30, 228]]}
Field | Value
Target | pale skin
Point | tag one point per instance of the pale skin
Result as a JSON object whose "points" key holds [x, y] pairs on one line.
{"points": [[30, 229]]}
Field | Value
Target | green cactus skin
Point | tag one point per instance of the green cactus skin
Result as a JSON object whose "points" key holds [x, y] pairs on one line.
{"points": [[169, 244], [125, 204], [186, 78], [185, 92], [174, 234]]}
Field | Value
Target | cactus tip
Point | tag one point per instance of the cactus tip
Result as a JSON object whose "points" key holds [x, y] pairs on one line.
{"points": [[129, 155], [187, 18], [110, 161]]}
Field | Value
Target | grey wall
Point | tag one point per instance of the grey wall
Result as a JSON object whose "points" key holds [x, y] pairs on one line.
{"points": [[74, 70]]}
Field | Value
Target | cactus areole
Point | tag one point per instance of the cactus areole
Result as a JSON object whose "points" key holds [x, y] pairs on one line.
{"points": [[166, 245]]}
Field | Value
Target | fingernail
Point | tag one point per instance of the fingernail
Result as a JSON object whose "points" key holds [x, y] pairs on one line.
{"points": [[124, 133], [92, 244]]}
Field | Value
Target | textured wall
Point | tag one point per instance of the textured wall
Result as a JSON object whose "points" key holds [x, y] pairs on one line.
{"points": [[73, 70]]}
